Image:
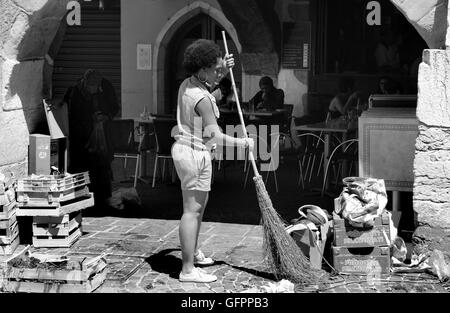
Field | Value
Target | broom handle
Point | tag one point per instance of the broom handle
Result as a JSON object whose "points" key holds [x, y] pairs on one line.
{"points": [[241, 118]]}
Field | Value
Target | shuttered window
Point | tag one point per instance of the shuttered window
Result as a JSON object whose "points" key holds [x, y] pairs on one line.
{"points": [[94, 44]]}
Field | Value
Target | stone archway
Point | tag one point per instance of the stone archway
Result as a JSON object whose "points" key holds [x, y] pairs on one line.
{"points": [[27, 33], [166, 34]]}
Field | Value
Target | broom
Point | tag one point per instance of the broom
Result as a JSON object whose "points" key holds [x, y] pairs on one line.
{"points": [[284, 257]]}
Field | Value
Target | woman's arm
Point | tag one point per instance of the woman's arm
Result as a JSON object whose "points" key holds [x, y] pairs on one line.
{"points": [[204, 109]]}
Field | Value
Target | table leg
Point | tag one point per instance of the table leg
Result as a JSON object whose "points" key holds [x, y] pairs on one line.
{"points": [[326, 152]]}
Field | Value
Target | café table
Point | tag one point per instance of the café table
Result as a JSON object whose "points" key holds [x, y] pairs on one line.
{"points": [[327, 128], [145, 129]]}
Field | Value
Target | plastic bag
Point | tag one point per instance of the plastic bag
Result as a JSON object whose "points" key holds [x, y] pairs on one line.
{"points": [[97, 141], [362, 201]]}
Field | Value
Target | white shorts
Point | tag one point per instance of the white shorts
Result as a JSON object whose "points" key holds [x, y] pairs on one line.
{"points": [[193, 166]]}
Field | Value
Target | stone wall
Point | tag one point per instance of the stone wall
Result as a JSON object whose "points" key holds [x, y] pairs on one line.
{"points": [[432, 160], [27, 30]]}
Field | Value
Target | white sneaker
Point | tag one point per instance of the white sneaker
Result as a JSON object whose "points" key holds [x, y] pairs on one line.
{"points": [[200, 259], [197, 276]]}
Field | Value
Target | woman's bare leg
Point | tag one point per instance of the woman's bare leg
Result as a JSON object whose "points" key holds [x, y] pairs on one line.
{"points": [[194, 203], [200, 222]]}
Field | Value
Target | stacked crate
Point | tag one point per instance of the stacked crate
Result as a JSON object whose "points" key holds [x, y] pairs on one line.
{"points": [[362, 251], [55, 203], [9, 229]]}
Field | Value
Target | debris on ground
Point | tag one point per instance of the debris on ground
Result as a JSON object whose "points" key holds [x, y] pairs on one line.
{"points": [[123, 197], [438, 265], [283, 286]]}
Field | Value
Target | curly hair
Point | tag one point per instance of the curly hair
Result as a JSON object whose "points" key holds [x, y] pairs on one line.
{"points": [[201, 53]]}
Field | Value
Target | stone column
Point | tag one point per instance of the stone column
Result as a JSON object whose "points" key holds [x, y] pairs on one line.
{"points": [[432, 159], [27, 29]]}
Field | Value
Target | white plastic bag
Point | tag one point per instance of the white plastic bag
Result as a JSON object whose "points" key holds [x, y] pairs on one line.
{"points": [[362, 201]]}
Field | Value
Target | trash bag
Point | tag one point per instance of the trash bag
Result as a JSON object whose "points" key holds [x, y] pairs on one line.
{"points": [[361, 201], [438, 265]]}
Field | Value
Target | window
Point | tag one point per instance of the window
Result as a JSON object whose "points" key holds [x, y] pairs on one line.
{"points": [[347, 44]]}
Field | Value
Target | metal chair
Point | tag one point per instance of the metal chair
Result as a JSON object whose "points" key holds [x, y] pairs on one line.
{"points": [[164, 141], [124, 145], [275, 140], [331, 160], [312, 147]]}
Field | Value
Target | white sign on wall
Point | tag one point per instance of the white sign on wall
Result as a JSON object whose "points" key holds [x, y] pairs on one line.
{"points": [[144, 57]]}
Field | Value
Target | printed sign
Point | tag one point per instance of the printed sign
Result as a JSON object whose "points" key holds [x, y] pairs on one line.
{"points": [[144, 57], [296, 45]]}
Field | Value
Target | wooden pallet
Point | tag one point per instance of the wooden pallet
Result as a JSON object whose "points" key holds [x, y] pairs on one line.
{"points": [[45, 183], [56, 226], [57, 241], [362, 261], [7, 249], [78, 276], [47, 189], [6, 211], [348, 236], [8, 230], [51, 198], [59, 209], [7, 193]]}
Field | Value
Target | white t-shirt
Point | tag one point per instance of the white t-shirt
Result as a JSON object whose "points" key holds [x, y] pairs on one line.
{"points": [[191, 92]]}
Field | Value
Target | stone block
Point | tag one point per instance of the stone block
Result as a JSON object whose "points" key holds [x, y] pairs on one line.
{"points": [[15, 35], [13, 137], [9, 12], [432, 105], [22, 85], [431, 213], [31, 6], [428, 238], [429, 18], [38, 38]]}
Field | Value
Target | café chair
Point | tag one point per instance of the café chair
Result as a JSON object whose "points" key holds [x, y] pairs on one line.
{"points": [[275, 139], [164, 141], [123, 143], [339, 157], [311, 149]]}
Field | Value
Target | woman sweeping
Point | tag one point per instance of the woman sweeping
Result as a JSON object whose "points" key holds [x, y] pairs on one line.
{"points": [[197, 128]]}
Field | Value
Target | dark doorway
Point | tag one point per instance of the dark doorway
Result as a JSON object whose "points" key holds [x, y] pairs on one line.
{"points": [[200, 26]]}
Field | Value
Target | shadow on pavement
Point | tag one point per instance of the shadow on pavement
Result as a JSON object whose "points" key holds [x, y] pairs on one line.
{"points": [[165, 263]]}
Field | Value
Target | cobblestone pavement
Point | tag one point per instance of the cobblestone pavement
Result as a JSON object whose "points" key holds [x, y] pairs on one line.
{"points": [[144, 257]]}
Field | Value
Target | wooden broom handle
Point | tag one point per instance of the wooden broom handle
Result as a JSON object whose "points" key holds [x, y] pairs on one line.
{"points": [[241, 118]]}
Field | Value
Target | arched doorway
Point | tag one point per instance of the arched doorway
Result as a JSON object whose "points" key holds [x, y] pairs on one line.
{"points": [[199, 26]]}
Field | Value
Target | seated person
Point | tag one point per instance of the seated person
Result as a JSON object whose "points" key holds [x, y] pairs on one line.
{"points": [[345, 100], [387, 86], [224, 94], [268, 98]]}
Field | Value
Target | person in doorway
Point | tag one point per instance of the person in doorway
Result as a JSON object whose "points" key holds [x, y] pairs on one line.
{"points": [[197, 127], [345, 100], [92, 103], [268, 98], [224, 94]]}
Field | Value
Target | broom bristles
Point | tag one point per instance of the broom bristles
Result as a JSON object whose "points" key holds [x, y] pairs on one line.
{"points": [[284, 257]]}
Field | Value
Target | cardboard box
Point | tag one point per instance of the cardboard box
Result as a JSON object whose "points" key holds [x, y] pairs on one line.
{"points": [[362, 261], [311, 240], [39, 154]]}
